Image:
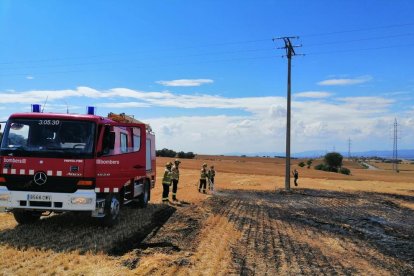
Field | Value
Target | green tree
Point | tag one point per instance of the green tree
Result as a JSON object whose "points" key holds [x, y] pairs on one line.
{"points": [[190, 155], [344, 170], [333, 160], [301, 164], [309, 163], [166, 153]]}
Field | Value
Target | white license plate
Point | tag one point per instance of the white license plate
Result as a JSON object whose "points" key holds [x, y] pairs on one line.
{"points": [[39, 197]]}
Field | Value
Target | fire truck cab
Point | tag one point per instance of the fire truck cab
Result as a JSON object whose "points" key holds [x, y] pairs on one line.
{"points": [[53, 162]]}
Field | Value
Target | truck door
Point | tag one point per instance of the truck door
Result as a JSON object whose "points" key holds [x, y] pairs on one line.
{"points": [[122, 157]]}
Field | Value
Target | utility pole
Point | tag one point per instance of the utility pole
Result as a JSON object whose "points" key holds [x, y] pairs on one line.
{"points": [[349, 148], [395, 148], [290, 51]]}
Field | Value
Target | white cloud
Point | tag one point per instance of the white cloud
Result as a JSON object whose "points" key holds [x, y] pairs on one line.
{"points": [[276, 111], [342, 81], [315, 122], [367, 103], [123, 105], [29, 77], [397, 93], [313, 94], [185, 82]]}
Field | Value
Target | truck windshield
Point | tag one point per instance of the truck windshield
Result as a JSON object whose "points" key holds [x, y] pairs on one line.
{"points": [[48, 138]]}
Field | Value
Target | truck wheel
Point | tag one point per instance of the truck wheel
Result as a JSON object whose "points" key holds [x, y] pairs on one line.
{"points": [[144, 197], [112, 210], [26, 217]]}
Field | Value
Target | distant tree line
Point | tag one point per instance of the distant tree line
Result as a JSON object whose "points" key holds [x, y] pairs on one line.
{"points": [[170, 153]]}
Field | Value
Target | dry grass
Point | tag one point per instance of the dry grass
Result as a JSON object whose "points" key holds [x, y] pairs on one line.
{"points": [[82, 250], [268, 174], [33, 261], [407, 166]]}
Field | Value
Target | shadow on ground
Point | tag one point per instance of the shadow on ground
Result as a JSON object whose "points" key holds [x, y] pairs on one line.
{"points": [[80, 232]]}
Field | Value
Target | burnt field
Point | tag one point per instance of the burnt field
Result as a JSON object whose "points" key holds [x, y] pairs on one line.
{"points": [[306, 232], [325, 227], [313, 232]]}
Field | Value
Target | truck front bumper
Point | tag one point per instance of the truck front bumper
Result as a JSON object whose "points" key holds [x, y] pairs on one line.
{"points": [[81, 200]]}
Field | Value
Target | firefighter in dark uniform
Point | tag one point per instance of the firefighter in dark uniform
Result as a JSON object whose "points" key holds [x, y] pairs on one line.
{"points": [[203, 178], [211, 175], [175, 176], [166, 182], [296, 176]]}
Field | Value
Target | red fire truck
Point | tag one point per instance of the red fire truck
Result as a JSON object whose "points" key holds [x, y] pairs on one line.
{"points": [[53, 162]]}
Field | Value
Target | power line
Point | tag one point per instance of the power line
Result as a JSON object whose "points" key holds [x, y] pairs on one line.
{"points": [[360, 30], [361, 39], [143, 67], [360, 49], [129, 60], [209, 45], [184, 63], [135, 52], [138, 59]]}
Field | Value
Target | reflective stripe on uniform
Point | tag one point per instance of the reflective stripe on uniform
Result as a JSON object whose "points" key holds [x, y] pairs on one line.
{"points": [[166, 180], [203, 174], [175, 173]]}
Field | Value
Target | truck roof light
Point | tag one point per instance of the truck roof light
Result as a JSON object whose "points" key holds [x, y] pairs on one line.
{"points": [[36, 108], [2, 180], [90, 110]]}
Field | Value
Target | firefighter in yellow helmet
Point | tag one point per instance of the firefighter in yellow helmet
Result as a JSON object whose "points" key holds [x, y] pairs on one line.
{"points": [[203, 178], [175, 176], [166, 182]]}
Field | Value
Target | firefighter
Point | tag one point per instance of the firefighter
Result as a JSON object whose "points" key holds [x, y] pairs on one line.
{"points": [[203, 178], [166, 182], [296, 176], [211, 175], [175, 176]]}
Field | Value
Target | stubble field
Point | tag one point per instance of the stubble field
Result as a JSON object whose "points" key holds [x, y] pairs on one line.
{"points": [[330, 224]]}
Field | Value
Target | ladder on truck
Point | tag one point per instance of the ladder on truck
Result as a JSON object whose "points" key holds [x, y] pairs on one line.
{"points": [[123, 118]]}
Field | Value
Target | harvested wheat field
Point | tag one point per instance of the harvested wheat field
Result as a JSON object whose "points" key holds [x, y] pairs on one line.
{"points": [[331, 224]]}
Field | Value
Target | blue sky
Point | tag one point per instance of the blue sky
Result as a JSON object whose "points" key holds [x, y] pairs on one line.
{"points": [[208, 77]]}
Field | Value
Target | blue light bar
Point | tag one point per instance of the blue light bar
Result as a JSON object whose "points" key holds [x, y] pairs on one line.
{"points": [[91, 110], [36, 108]]}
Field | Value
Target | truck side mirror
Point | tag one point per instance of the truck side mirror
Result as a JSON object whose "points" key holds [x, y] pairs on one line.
{"points": [[112, 140]]}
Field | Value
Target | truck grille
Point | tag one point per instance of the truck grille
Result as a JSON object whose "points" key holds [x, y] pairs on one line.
{"points": [[53, 184]]}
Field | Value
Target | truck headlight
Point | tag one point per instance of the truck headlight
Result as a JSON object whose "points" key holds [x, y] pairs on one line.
{"points": [[81, 200], [4, 197]]}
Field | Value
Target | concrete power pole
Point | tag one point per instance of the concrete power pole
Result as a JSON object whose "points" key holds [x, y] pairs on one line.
{"points": [[290, 51]]}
